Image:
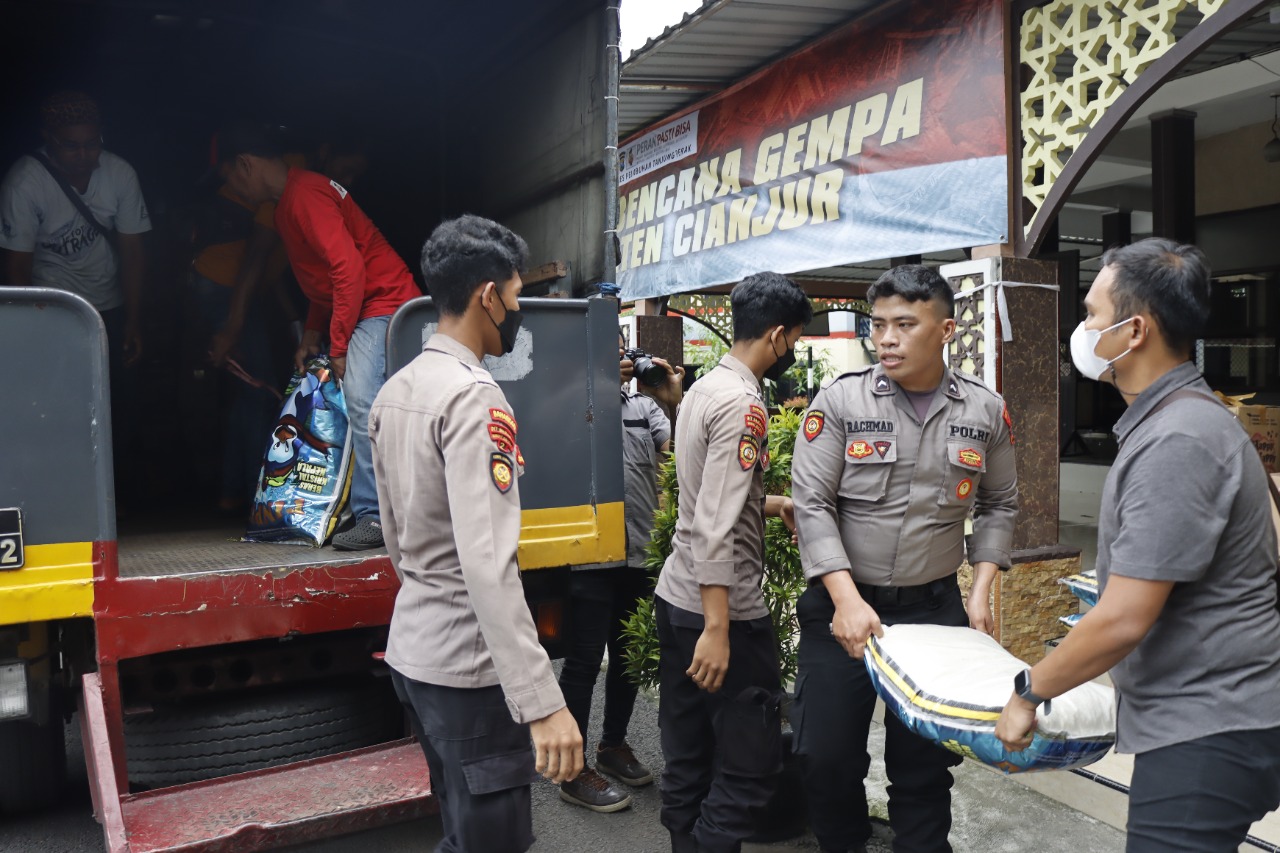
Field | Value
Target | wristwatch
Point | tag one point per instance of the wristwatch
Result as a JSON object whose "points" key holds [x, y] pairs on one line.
{"points": [[1022, 687]]}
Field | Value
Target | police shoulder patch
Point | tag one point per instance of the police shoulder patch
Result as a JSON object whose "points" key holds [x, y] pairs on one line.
{"points": [[504, 418], [501, 435], [1008, 422], [748, 451], [813, 424], [964, 489], [500, 472]]}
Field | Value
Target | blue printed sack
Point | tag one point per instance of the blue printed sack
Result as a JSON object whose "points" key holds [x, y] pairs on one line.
{"points": [[948, 685], [1084, 585], [306, 469]]}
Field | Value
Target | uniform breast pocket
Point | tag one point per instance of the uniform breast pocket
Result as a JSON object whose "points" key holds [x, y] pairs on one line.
{"points": [[966, 460], [638, 451], [866, 467]]}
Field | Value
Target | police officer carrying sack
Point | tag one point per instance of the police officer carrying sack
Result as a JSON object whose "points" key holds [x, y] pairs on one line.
{"points": [[890, 462], [463, 650]]}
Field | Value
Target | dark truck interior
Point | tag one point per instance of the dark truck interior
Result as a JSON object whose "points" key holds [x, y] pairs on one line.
{"points": [[423, 89]]}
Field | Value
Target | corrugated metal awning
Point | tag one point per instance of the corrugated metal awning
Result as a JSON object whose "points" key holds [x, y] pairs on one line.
{"points": [[717, 45]]}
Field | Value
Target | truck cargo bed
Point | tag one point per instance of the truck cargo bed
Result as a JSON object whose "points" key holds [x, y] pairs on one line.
{"points": [[162, 550]]}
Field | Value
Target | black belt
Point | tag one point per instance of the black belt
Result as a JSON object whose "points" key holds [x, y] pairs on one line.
{"points": [[903, 596]]}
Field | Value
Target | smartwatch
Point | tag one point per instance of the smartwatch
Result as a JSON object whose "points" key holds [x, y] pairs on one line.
{"points": [[1022, 687]]}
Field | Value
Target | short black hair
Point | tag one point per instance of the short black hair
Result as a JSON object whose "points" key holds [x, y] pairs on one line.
{"points": [[914, 283], [1168, 280], [246, 137], [463, 254], [765, 300]]}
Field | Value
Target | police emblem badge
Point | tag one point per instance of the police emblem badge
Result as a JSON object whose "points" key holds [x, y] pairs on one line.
{"points": [[860, 450], [500, 472], [813, 424]]}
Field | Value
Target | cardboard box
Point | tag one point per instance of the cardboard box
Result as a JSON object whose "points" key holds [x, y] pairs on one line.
{"points": [[1263, 425]]}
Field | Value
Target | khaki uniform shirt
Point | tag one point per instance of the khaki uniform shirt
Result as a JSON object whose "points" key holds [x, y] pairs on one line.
{"points": [[644, 430], [882, 494], [721, 451], [446, 462]]}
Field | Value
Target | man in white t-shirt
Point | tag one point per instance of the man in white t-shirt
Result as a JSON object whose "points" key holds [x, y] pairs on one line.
{"points": [[50, 243]]}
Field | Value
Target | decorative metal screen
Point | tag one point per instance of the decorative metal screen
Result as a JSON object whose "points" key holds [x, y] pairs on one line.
{"points": [[973, 349], [1080, 55]]}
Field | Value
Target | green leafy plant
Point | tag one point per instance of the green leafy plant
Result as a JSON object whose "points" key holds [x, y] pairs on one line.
{"points": [[783, 577], [792, 384]]}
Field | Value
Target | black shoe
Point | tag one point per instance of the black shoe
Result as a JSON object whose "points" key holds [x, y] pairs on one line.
{"points": [[593, 791], [621, 763], [365, 536]]}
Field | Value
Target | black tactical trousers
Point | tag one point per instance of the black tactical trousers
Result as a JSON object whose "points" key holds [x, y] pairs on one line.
{"points": [[1203, 795], [723, 750], [832, 718], [481, 764]]}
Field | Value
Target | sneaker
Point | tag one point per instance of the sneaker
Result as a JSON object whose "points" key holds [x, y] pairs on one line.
{"points": [[593, 791], [621, 763], [366, 535]]}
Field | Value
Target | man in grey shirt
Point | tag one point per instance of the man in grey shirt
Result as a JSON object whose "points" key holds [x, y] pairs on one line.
{"points": [[1187, 621], [602, 599]]}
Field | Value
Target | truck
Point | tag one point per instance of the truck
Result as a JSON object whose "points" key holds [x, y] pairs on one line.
{"points": [[231, 695]]}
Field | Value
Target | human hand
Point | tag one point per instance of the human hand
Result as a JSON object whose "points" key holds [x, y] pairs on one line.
{"points": [[710, 659], [1017, 724], [132, 346], [853, 624], [978, 607], [670, 393], [309, 347], [339, 365], [557, 746]]}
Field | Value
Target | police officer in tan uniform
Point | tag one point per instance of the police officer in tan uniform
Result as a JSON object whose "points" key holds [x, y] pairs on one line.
{"points": [[718, 663], [889, 463], [463, 649]]}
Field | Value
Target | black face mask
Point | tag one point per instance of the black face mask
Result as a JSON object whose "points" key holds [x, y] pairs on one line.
{"points": [[781, 366], [508, 328]]}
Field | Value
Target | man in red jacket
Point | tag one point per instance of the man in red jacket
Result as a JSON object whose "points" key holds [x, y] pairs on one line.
{"points": [[352, 276]]}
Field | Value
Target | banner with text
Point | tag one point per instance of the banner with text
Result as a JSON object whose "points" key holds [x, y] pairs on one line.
{"points": [[885, 138]]}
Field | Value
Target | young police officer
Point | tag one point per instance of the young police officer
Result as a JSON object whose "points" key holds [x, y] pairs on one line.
{"points": [[718, 665], [463, 649], [888, 465]]}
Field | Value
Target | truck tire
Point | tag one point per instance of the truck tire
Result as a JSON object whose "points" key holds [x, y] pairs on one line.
{"points": [[258, 729], [33, 764]]}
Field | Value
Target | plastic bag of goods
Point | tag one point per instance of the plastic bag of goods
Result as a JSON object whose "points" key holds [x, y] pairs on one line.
{"points": [[949, 685], [307, 466], [1084, 585]]}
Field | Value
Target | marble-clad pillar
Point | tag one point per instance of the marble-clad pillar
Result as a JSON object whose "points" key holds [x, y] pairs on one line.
{"points": [[1027, 600]]}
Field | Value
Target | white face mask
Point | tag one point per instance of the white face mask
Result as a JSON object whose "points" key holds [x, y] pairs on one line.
{"points": [[1084, 342]]}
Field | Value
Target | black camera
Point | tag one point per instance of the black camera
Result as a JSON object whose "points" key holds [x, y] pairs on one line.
{"points": [[644, 369]]}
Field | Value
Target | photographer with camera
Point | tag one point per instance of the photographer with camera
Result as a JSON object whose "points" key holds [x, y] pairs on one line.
{"points": [[603, 598]]}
